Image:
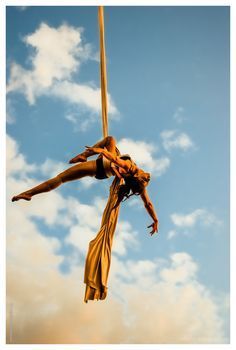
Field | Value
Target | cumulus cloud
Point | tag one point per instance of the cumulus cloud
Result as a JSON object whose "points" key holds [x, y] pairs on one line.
{"points": [[182, 269], [173, 139], [81, 94], [87, 182], [57, 54], [51, 168], [16, 162], [185, 223], [149, 301], [143, 153], [48, 65], [78, 121], [201, 216], [85, 230], [126, 237]]}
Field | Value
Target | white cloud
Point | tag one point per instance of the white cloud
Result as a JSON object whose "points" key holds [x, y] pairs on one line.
{"points": [[141, 273], [16, 162], [10, 112], [161, 165], [87, 182], [135, 202], [172, 139], [85, 95], [79, 122], [181, 270], [143, 153], [179, 115], [145, 296], [149, 301], [80, 236], [85, 230], [169, 291], [125, 238], [198, 216], [171, 234], [51, 168], [57, 55]]}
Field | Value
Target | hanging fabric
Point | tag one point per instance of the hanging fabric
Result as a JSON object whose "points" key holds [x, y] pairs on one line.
{"points": [[103, 71], [98, 258]]}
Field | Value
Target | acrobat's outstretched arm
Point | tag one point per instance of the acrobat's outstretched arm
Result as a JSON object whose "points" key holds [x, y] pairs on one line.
{"points": [[151, 211]]}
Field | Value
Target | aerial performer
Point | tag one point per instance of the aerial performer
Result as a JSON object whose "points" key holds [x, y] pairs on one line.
{"points": [[128, 180], [107, 164]]}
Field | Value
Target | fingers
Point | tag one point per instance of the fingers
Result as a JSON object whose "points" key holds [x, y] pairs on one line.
{"points": [[154, 228], [153, 231]]}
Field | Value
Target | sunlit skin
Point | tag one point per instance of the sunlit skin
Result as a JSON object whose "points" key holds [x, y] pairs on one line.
{"points": [[106, 148]]}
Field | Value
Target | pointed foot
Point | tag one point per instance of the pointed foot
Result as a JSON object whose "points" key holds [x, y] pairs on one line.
{"points": [[78, 159], [24, 196]]}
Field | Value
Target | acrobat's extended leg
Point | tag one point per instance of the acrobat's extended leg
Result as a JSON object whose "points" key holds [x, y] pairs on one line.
{"points": [[43, 187], [108, 142], [73, 173]]}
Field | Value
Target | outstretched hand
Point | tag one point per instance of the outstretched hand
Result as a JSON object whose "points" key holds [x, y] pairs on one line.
{"points": [[154, 226]]}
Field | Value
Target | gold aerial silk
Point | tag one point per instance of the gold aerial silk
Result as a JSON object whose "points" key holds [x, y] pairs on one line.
{"points": [[98, 258], [99, 254], [103, 72]]}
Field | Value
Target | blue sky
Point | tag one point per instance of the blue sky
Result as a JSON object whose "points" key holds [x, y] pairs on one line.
{"points": [[168, 82]]}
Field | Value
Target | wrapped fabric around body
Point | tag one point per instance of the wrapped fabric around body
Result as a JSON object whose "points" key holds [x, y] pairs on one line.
{"points": [[98, 258]]}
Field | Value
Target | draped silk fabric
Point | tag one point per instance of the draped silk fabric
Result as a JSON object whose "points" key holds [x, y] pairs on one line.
{"points": [[98, 258]]}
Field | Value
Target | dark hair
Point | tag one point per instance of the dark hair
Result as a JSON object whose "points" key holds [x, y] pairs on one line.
{"points": [[134, 185]]}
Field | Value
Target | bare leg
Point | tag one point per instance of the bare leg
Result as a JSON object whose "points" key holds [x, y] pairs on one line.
{"points": [[108, 142], [73, 173]]}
